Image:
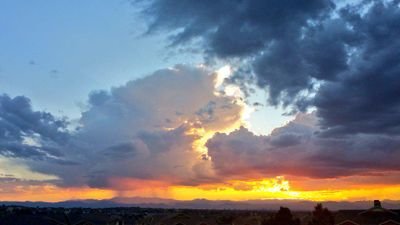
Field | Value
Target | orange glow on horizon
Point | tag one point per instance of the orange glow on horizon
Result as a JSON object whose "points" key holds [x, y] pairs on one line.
{"points": [[236, 190], [279, 188]]}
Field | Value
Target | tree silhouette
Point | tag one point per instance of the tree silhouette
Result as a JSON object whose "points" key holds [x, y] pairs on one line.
{"points": [[321, 216], [67, 221], [224, 219], [282, 217]]}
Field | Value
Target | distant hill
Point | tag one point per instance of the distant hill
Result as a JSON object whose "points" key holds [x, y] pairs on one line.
{"points": [[204, 204]]}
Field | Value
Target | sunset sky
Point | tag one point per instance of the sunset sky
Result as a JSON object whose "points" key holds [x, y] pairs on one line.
{"points": [[222, 100]]}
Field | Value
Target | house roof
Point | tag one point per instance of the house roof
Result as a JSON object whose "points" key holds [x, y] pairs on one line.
{"points": [[377, 215], [347, 222]]}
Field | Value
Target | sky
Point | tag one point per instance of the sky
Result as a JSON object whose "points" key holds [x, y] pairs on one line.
{"points": [[222, 100]]}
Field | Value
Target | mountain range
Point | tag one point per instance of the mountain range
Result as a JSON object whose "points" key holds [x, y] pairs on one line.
{"points": [[204, 204]]}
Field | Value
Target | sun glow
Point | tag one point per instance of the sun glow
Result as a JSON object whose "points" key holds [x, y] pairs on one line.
{"points": [[278, 188], [235, 190]]}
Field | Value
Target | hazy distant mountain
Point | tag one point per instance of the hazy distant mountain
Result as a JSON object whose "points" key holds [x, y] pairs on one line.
{"points": [[206, 204]]}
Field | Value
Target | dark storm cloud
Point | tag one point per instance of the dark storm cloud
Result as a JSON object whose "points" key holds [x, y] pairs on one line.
{"points": [[270, 32], [20, 124], [348, 56], [366, 96], [237, 27], [290, 66]]}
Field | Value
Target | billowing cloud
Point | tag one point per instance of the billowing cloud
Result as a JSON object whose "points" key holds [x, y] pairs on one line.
{"points": [[150, 129], [298, 149], [364, 97], [337, 56]]}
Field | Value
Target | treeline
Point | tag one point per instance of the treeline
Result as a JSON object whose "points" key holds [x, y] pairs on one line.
{"points": [[320, 216]]}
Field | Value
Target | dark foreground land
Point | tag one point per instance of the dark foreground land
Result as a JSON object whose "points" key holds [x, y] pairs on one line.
{"points": [[19, 215]]}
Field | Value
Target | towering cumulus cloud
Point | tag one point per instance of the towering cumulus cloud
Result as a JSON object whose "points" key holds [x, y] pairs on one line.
{"points": [[151, 129], [149, 126]]}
